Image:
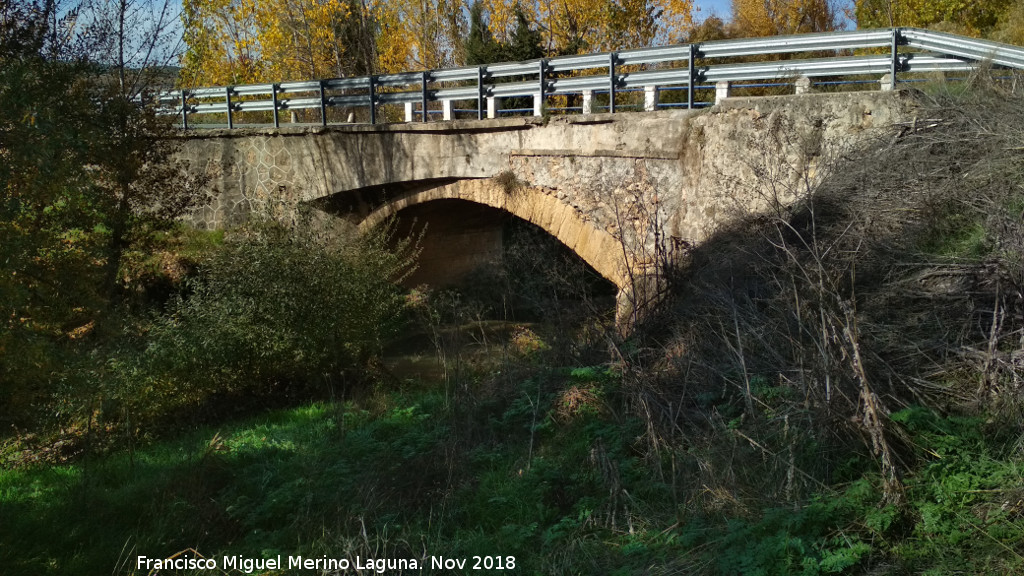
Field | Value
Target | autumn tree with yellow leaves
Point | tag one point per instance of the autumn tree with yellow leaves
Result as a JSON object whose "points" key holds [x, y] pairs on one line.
{"points": [[245, 41], [221, 43], [756, 18], [241, 41], [297, 37], [579, 26]]}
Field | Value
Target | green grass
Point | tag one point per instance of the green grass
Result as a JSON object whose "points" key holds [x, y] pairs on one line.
{"points": [[403, 474], [957, 236]]}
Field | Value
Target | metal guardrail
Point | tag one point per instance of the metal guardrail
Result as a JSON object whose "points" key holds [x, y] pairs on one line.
{"points": [[681, 67]]}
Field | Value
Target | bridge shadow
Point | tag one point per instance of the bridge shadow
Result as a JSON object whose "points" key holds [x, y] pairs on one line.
{"points": [[497, 259]]}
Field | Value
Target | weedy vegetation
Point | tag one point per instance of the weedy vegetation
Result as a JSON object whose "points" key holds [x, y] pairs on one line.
{"points": [[830, 388]]}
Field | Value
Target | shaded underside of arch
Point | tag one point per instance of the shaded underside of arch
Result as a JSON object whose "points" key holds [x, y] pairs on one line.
{"points": [[596, 247]]}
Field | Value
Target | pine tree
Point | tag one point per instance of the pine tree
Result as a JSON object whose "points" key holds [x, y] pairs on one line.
{"points": [[480, 46], [526, 42]]}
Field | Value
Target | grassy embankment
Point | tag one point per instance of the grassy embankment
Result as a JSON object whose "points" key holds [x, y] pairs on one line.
{"points": [[836, 391]]}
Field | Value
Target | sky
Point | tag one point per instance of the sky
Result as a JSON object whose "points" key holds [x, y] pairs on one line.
{"points": [[718, 8]]}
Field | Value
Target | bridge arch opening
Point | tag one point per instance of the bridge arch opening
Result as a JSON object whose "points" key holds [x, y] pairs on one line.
{"points": [[512, 267], [599, 249]]}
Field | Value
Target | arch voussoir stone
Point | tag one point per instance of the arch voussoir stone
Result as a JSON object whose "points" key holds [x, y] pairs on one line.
{"points": [[596, 247]]}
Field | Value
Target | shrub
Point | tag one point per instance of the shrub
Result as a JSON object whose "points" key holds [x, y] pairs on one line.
{"points": [[274, 307]]}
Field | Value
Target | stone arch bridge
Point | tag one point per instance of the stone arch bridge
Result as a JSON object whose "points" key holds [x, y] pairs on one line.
{"points": [[621, 191]]}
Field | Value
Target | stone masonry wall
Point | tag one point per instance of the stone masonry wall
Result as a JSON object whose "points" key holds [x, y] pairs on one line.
{"points": [[638, 178]]}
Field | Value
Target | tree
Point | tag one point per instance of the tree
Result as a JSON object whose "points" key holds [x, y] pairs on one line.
{"points": [[1010, 28], [244, 41], [394, 51], [84, 169], [300, 39], [674, 21], [136, 181], [479, 45], [526, 42], [977, 18], [46, 241], [430, 26], [576, 27], [755, 18], [136, 39], [221, 44], [712, 28], [579, 26]]}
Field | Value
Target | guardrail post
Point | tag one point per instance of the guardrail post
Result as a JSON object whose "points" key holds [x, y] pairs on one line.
{"points": [[691, 73], [423, 86], [273, 93], [493, 105], [446, 109], [611, 82], [228, 105], [722, 88], [650, 98], [802, 85], [373, 99], [541, 97], [588, 101], [323, 105], [895, 63], [480, 92], [184, 109]]}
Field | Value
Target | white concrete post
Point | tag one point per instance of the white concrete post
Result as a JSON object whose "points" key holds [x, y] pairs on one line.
{"points": [[588, 101], [446, 109], [408, 111], [650, 98], [538, 105], [886, 83], [721, 90], [803, 85], [493, 105]]}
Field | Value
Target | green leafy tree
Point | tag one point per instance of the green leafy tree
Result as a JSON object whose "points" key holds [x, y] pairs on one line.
{"points": [[84, 170], [48, 237], [526, 42], [976, 18], [480, 46]]}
